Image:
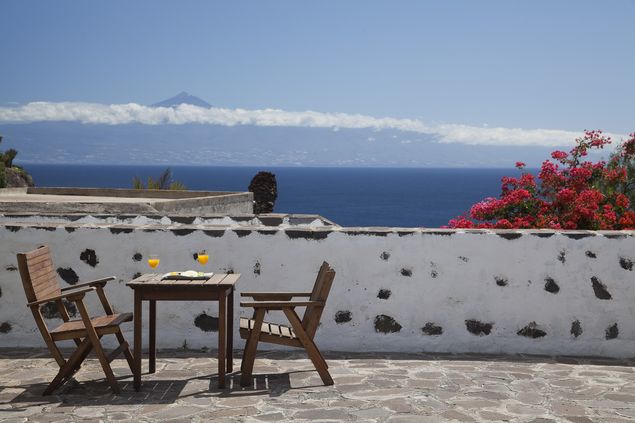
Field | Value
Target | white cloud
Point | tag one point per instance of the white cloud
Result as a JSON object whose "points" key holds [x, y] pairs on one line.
{"points": [[120, 114]]}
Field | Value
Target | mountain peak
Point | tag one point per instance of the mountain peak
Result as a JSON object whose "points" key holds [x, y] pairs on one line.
{"points": [[183, 98]]}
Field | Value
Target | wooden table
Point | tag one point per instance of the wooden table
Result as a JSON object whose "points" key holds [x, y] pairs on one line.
{"points": [[150, 287]]}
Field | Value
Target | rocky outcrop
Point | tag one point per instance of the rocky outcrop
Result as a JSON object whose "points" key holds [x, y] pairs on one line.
{"points": [[16, 178], [265, 190]]}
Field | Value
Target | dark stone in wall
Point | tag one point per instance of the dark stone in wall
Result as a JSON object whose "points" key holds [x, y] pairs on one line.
{"points": [[343, 316], [615, 236], [115, 230], [576, 328], [257, 268], [509, 236], [10, 268], [136, 275], [5, 327], [137, 257], [242, 232], [543, 234], [432, 329], [51, 311], [229, 271], [406, 272], [270, 221], [478, 328], [46, 228], [89, 257], [185, 220], [551, 286], [612, 331], [307, 234], [600, 289], [13, 228], [577, 236], [463, 259], [562, 257], [68, 274], [384, 294], [626, 264], [434, 274], [268, 231], [385, 255], [590, 254], [69, 229], [0, 292], [500, 281], [182, 232], [531, 331], [206, 323], [215, 233], [386, 324], [366, 233]]}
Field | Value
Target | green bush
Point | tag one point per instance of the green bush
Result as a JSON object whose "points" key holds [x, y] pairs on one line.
{"points": [[164, 181], [3, 176]]}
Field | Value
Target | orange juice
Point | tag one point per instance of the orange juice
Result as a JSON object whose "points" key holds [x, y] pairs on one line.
{"points": [[153, 262], [202, 258]]}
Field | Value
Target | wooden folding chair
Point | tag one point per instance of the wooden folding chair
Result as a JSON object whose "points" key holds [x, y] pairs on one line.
{"points": [[41, 286], [299, 334]]}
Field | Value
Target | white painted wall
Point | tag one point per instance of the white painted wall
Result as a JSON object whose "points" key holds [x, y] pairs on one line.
{"points": [[465, 264]]}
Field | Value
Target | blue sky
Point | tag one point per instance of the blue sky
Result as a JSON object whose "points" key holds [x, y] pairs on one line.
{"points": [[565, 65]]}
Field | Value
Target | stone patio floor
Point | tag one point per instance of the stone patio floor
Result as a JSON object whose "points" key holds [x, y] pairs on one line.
{"points": [[377, 387]]}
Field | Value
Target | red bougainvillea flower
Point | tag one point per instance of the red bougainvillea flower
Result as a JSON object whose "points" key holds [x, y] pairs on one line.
{"points": [[571, 193]]}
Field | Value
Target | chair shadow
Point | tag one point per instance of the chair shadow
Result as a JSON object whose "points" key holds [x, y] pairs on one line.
{"points": [[156, 391]]}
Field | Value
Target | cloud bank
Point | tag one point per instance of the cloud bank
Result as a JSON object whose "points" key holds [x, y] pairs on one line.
{"points": [[121, 114]]}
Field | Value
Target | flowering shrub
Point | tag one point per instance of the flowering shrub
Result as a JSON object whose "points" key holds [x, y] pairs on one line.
{"points": [[572, 193]]}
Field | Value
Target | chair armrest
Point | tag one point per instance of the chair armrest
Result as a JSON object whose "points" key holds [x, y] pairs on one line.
{"points": [[96, 282], [280, 304], [79, 293], [284, 296]]}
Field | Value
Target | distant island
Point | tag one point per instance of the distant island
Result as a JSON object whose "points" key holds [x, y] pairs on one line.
{"points": [[182, 98]]}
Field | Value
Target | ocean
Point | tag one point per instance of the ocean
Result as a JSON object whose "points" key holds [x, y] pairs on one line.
{"points": [[404, 197]]}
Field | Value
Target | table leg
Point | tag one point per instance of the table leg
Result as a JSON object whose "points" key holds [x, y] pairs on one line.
{"points": [[230, 331], [222, 333], [153, 335], [137, 340]]}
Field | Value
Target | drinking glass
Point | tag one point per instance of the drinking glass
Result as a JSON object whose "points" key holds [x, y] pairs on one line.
{"points": [[202, 257], [153, 261]]}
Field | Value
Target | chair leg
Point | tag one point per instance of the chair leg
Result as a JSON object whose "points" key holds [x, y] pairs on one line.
{"points": [[94, 339], [310, 347], [69, 368], [126, 352], [249, 355]]}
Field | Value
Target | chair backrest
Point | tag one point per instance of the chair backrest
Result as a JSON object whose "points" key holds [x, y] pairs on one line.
{"points": [[38, 275], [321, 289]]}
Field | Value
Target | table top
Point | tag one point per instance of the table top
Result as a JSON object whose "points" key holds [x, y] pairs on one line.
{"points": [[154, 280]]}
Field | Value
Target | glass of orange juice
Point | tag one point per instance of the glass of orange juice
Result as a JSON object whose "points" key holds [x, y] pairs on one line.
{"points": [[153, 261], [202, 257]]}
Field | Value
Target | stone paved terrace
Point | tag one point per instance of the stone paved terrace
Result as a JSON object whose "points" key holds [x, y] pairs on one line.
{"points": [[368, 388]]}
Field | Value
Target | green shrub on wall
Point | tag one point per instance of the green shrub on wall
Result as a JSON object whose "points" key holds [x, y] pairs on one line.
{"points": [[3, 176]]}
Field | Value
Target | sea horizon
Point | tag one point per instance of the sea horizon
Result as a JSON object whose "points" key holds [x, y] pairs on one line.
{"points": [[348, 196]]}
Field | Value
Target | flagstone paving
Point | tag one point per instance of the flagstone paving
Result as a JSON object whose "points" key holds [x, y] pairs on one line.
{"points": [[375, 387]]}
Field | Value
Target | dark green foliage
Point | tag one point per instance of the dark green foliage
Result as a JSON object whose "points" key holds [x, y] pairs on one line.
{"points": [[3, 176], [164, 181], [6, 163]]}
